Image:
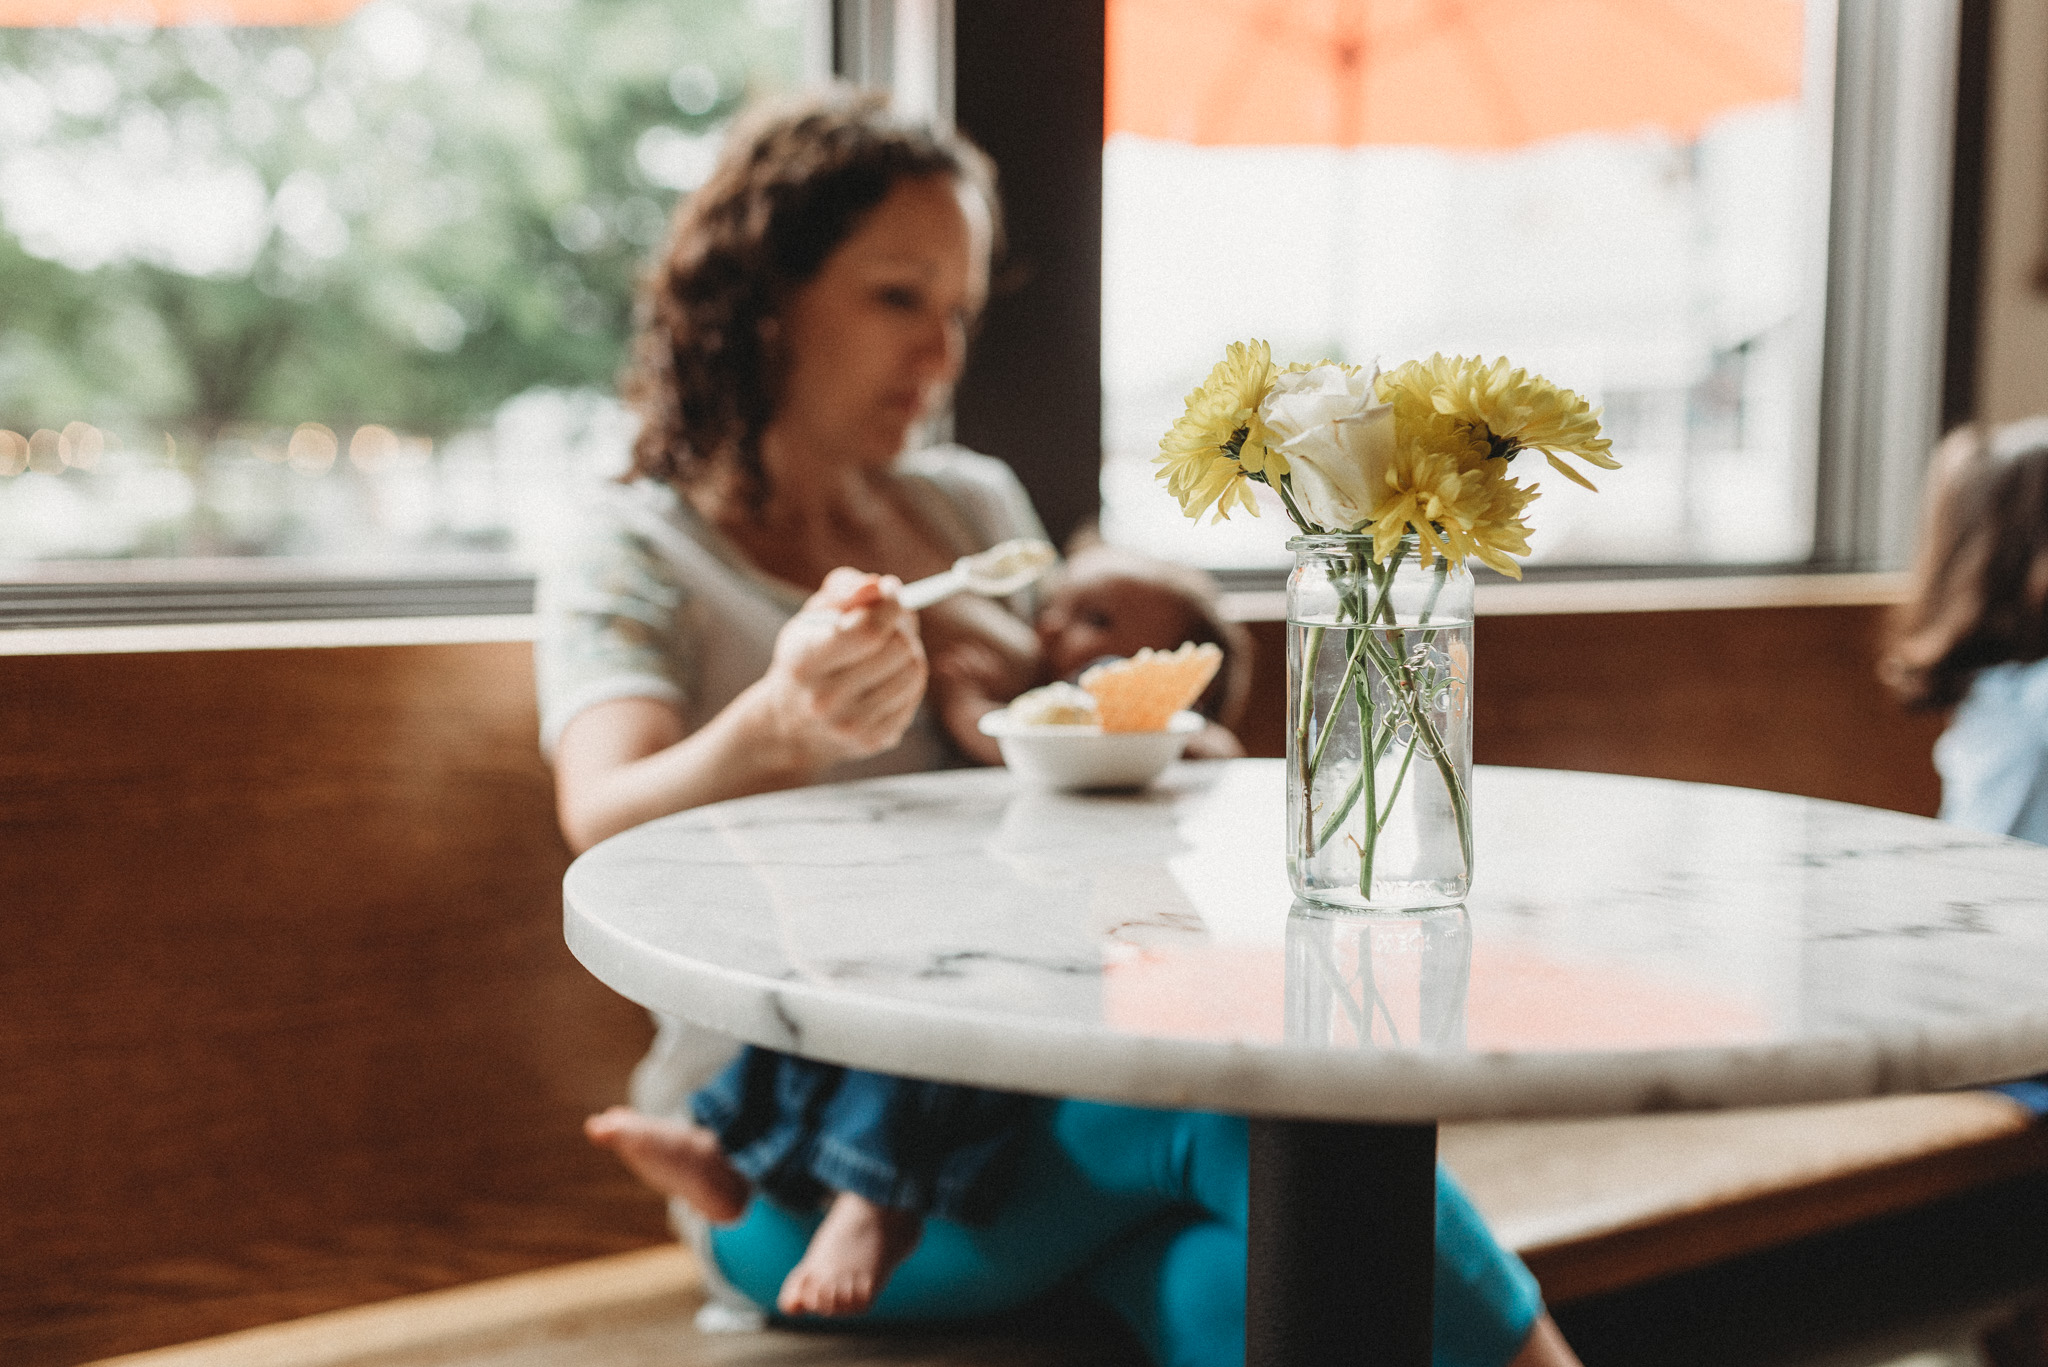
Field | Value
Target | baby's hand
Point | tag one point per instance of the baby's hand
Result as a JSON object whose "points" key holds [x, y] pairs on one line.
{"points": [[973, 668], [969, 680], [1214, 742]]}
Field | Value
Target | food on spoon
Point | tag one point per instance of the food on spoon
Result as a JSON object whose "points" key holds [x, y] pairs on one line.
{"points": [[1143, 692], [1056, 704], [1009, 566]]}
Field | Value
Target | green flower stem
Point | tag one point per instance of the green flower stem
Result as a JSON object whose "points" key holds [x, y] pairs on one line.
{"points": [[1367, 609], [1361, 1023], [1360, 614], [1425, 731], [1401, 774], [1361, 1009], [1315, 760], [1383, 743], [1385, 578], [1436, 588], [1370, 983], [1382, 579], [1433, 745], [1362, 690], [1358, 611], [1287, 501], [1357, 787], [1312, 652], [1460, 803]]}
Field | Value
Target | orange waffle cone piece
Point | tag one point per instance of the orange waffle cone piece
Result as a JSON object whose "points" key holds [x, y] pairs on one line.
{"points": [[1143, 692]]}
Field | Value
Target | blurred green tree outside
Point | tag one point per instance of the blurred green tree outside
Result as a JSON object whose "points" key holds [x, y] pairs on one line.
{"points": [[405, 219]]}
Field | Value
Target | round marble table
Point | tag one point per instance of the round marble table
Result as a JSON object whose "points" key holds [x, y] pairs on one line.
{"points": [[1630, 945]]}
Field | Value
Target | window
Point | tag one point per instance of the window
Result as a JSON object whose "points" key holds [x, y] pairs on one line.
{"points": [[1633, 200], [344, 287], [342, 284]]}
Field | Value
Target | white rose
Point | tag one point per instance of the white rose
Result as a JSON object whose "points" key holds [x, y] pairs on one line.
{"points": [[1337, 440]]}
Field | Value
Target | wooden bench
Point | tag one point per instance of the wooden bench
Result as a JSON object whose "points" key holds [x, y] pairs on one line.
{"points": [[291, 1028], [289, 1021], [1594, 1206], [630, 1308]]}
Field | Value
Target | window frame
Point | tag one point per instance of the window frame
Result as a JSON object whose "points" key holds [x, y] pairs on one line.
{"points": [[1897, 343], [1910, 85], [142, 592], [1904, 237]]}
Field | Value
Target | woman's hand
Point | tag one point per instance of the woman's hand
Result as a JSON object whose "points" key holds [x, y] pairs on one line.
{"points": [[846, 678], [847, 675]]}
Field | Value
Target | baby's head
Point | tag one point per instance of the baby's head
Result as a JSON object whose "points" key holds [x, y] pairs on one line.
{"points": [[1980, 592], [1110, 602]]}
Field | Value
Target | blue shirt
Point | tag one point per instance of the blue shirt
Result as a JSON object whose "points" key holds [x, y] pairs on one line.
{"points": [[1993, 758]]}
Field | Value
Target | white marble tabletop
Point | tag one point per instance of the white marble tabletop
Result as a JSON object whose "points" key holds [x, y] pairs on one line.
{"points": [[1630, 945]]}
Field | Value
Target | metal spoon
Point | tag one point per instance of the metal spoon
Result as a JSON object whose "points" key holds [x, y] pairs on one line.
{"points": [[994, 573]]}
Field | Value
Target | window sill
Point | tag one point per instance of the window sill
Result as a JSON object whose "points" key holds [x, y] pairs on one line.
{"points": [[165, 638], [146, 593], [1701, 594], [109, 618]]}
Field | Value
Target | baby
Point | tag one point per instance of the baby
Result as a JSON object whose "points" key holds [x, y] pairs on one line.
{"points": [[883, 1153], [1104, 603]]}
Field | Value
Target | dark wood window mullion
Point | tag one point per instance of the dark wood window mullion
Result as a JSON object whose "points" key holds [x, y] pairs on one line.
{"points": [[1028, 88]]}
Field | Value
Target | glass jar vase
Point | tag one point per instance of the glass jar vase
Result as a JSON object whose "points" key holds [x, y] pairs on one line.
{"points": [[1379, 725]]}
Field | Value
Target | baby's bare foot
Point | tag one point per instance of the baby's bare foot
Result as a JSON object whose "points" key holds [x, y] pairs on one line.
{"points": [[850, 1258], [674, 1157]]}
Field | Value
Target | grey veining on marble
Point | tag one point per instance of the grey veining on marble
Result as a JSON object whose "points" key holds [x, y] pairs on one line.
{"points": [[1630, 945]]}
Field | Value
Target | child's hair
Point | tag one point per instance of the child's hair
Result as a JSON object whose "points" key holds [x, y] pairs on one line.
{"points": [[1980, 586]]}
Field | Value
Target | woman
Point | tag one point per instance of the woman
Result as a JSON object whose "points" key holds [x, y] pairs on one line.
{"points": [[710, 640]]}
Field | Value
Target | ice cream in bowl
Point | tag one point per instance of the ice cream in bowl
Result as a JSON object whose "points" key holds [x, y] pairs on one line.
{"points": [[1119, 727]]}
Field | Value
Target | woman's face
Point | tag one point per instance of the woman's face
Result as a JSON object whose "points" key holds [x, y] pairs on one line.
{"points": [[875, 339]]}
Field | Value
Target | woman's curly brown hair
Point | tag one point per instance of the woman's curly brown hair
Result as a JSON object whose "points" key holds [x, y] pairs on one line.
{"points": [[793, 182], [1980, 589]]}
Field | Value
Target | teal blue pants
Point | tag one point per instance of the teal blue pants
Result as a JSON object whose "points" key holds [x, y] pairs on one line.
{"points": [[1148, 1208]]}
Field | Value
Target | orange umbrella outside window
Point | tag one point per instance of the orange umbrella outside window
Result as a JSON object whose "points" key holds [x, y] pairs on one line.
{"points": [[1473, 74], [173, 13]]}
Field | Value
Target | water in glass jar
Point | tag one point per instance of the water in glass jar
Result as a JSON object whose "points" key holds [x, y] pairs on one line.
{"points": [[1394, 832]]}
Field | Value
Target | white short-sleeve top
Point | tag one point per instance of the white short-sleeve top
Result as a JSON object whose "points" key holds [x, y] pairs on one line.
{"points": [[649, 600]]}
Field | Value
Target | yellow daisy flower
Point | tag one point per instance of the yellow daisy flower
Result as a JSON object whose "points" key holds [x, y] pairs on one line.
{"points": [[1213, 449], [1517, 411], [1456, 497]]}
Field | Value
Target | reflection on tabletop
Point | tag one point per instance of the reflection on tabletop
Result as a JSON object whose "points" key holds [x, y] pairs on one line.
{"points": [[1609, 916], [1200, 941], [1406, 980]]}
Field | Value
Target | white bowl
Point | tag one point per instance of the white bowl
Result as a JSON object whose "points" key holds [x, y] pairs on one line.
{"points": [[1085, 756]]}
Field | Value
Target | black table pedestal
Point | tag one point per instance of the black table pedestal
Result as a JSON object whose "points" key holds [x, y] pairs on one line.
{"points": [[1343, 1243]]}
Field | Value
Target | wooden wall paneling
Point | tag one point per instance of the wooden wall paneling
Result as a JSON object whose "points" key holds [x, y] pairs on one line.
{"points": [[289, 1022], [1783, 698], [1780, 698], [1264, 729]]}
